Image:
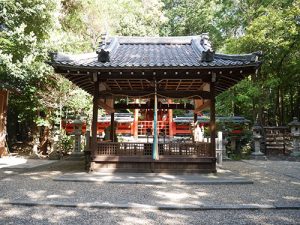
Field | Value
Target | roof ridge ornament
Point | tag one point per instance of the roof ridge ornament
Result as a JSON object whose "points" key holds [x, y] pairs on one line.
{"points": [[207, 54], [205, 42], [107, 48], [104, 39]]}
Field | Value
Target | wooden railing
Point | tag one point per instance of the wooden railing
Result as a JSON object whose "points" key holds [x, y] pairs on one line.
{"points": [[200, 149]]}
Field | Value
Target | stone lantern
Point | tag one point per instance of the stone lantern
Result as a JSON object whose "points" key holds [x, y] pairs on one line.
{"points": [[77, 132], [257, 138], [295, 133]]}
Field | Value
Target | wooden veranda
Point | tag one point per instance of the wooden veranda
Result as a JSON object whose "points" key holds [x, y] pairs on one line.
{"points": [[154, 68]]}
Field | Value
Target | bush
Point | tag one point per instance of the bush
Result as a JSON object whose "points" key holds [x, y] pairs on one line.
{"points": [[65, 143]]}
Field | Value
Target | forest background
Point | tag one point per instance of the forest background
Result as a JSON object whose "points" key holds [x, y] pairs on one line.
{"points": [[30, 29]]}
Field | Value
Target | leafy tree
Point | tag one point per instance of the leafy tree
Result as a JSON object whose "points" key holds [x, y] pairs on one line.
{"points": [[23, 49], [276, 33], [188, 17]]}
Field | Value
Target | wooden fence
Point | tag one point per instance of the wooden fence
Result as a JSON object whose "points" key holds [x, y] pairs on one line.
{"points": [[199, 149]]}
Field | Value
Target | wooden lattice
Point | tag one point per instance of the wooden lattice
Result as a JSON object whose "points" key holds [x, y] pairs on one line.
{"points": [[201, 149]]}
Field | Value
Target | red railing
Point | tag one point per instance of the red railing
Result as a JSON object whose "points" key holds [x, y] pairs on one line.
{"points": [[161, 126]]}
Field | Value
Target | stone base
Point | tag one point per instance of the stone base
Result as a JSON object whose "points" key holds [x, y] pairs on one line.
{"points": [[54, 155], [258, 156], [77, 156]]}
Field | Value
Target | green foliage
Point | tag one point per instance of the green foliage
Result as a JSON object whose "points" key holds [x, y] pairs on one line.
{"points": [[274, 90], [84, 22], [26, 26], [29, 29], [65, 143], [189, 17], [25, 39]]}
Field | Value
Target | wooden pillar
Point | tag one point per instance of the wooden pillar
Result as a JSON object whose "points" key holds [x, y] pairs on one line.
{"points": [[95, 118], [155, 153], [135, 121], [170, 116], [212, 120], [195, 118], [112, 127]]}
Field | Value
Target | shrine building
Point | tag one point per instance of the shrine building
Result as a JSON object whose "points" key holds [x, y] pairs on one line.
{"points": [[146, 74]]}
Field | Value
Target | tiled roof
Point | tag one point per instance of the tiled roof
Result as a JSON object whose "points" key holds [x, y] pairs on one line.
{"points": [[154, 52]]}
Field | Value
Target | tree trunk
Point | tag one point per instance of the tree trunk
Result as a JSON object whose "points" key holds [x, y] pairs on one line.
{"points": [[292, 113], [3, 121], [276, 110], [297, 105], [282, 117]]}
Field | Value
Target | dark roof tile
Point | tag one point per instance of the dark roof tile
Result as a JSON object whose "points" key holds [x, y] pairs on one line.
{"points": [[153, 52]]}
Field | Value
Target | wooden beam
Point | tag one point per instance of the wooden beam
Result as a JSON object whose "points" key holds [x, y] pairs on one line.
{"points": [[105, 106], [178, 85], [82, 83], [87, 86], [130, 84], [234, 79], [187, 106], [145, 73], [117, 84], [166, 93], [202, 107], [191, 85]]}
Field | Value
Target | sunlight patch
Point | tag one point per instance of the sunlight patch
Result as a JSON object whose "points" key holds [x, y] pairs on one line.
{"points": [[36, 194], [292, 198], [173, 196], [54, 196], [14, 212]]}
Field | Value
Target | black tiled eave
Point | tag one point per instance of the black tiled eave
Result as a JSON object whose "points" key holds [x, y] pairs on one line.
{"points": [[159, 72], [160, 63]]}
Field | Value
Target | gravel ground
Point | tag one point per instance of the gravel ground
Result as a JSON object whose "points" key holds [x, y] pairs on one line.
{"points": [[275, 182], [50, 215], [269, 188]]}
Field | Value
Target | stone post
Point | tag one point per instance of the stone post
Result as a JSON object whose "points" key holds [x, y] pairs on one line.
{"points": [[257, 138], [36, 143], [77, 132], [87, 140], [219, 148], [295, 133], [233, 140]]}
